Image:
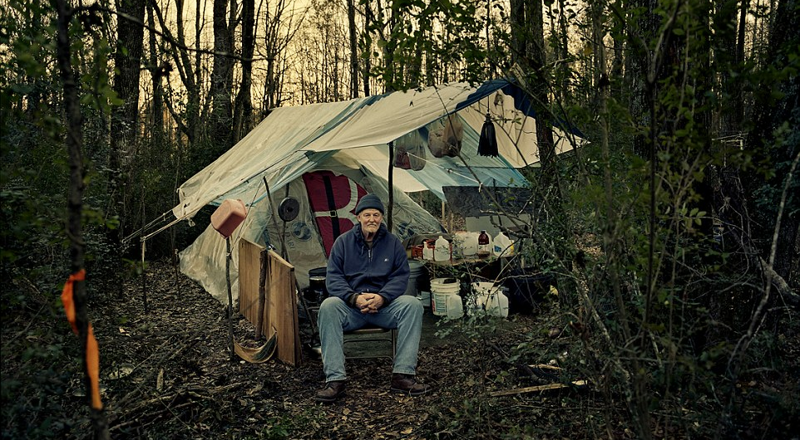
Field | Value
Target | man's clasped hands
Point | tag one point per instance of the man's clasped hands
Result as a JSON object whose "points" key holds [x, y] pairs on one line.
{"points": [[369, 302]]}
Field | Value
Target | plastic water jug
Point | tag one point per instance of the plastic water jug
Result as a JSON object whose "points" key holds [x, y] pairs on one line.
{"points": [[481, 294], [502, 246], [497, 305], [441, 251], [471, 244], [455, 308], [460, 239], [427, 250], [458, 244]]}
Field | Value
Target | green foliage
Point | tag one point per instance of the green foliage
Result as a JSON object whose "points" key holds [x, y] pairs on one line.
{"points": [[660, 299], [39, 351], [37, 370]]}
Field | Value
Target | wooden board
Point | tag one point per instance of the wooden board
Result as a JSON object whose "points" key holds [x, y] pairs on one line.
{"points": [[249, 271], [281, 308]]}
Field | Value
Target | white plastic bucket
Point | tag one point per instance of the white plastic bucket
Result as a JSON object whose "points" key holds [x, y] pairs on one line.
{"points": [[441, 289]]}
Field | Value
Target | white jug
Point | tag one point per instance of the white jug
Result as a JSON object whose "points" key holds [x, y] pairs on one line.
{"points": [[459, 238], [427, 251], [497, 305], [470, 244], [455, 308], [502, 246], [441, 251], [481, 296]]}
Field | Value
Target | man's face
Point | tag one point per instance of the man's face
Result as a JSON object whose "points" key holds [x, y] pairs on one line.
{"points": [[370, 220]]}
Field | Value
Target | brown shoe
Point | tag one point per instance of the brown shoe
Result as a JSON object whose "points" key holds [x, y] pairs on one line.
{"points": [[332, 391], [407, 384]]}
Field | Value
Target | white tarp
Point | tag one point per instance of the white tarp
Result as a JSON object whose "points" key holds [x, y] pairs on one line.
{"points": [[204, 260], [292, 140], [352, 138]]}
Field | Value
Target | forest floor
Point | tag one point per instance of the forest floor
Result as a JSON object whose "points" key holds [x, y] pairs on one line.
{"points": [[179, 380], [168, 373]]}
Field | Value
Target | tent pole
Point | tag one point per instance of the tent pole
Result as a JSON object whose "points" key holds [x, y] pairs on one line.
{"points": [[391, 187], [443, 218], [272, 213], [231, 342], [144, 276]]}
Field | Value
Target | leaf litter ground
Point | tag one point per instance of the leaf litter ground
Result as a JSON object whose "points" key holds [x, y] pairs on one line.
{"points": [[168, 373]]}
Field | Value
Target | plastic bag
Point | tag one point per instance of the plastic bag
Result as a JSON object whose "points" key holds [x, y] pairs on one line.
{"points": [[409, 152], [445, 136]]}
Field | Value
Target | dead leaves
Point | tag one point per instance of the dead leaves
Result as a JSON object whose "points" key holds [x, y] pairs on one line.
{"points": [[182, 383]]}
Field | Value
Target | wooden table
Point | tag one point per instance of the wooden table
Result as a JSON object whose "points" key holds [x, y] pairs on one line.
{"points": [[488, 268]]}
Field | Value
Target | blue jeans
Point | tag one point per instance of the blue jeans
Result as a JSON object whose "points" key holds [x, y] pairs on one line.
{"points": [[336, 317]]}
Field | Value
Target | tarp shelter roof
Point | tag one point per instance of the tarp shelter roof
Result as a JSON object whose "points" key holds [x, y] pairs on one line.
{"points": [[293, 140]]}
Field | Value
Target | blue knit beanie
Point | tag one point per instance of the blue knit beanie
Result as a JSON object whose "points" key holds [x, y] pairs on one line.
{"points": [[369, 201]]}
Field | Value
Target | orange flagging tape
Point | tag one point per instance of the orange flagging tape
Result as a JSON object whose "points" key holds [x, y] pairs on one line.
{"points": [[92, 350], [93, 368], [66, 298]]}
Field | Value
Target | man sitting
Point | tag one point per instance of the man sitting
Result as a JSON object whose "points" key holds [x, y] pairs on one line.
{"points": [[366, 277]]}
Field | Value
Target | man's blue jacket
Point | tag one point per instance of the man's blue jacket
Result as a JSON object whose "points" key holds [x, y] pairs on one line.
{"points": [[354, 267]]}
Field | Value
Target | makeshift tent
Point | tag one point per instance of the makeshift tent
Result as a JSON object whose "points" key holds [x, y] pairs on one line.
{"points": [[436, 133], [303, 238]]}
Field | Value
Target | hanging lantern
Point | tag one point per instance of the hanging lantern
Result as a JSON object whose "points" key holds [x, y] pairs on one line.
{"points": [[487, 145]]}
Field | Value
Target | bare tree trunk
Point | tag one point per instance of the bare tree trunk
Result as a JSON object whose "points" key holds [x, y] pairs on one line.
{"points": [[538, 58], [414, 78], [221, 82], [738, 97], [517, 20], [391, 79], [639, 29], [274, 50], [124, 119], [157, 71], [528, 51], [728, 54], [351, 25], [335, 80], [563, 37], [130, 42], [189, 70], [368, 20], [74, 143], [243, 113], [270, 45]]}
